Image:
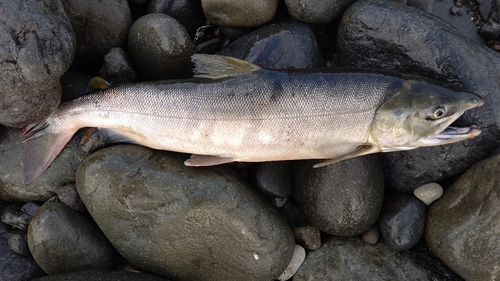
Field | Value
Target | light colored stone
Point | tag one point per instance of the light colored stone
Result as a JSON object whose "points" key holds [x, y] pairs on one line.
{"points": [[299, 255], [371, 235], [429, 193]]}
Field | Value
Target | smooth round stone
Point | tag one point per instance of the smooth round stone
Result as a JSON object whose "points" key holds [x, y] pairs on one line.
{"points": [[368, 41], [13, 216], [282, 45], [463, 226], [429, 193], [239, 13], [117, 67], [98, 26], [101, 275], [299, 255], [371, 235], [308, 236], [14, 266], [68, 195], [59, 173], [402, 221], [342, 258], [274, 178], [153, 208], [64, 240], [37, 46], [343, 198], [316, 11], [18, 242], [160, 48], [188, 12]]}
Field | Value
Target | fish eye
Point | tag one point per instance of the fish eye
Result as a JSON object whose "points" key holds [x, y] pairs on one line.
{"points": [[439, 112]]}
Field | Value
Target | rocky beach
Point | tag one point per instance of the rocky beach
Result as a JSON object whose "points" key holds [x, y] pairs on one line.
{"points": [[120, 211]]}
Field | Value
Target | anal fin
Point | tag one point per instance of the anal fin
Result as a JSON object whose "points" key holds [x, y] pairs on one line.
{"points": [[360, 150], [207, 160]]}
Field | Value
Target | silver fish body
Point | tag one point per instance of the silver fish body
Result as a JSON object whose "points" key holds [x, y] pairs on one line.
{"points": [[256, 115]]}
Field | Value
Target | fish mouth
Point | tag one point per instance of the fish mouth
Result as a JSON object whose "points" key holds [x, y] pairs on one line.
{"points": [[453, 134]]}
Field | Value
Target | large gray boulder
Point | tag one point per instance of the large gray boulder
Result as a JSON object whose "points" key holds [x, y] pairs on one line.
{"points": [[183, 223]]}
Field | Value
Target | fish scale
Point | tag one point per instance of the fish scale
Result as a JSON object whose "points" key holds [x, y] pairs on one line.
{"points": [[244, 113]]}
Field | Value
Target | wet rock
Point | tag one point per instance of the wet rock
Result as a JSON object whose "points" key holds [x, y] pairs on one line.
{"points": [[138, 194], [462, 226], [274, 178], [402, 221], [13, 266], [18, 242], [59, 173], [428, 193], [308, 236], [485, 8], [117, 67], [160, 48], [282, 45], [298, 258], [68, 195], [368, 41], [188, 12], [490, 30], [352, 259], [343, 198], [421, 254], [371, 235], [13, 216], [458, 18], [239, 13], [317, 12], [98, 26], [37, 48], [424, 5], [102, 275], [63, 240]]}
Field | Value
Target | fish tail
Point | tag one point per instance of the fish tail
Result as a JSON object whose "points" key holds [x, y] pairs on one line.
{"points": [[42, 143]]}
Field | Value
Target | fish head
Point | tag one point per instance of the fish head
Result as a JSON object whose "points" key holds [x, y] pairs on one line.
{"points": [[420, 114]]}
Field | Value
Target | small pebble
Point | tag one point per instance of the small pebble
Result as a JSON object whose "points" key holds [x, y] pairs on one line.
{"points": [[30, 208], [18, 242], [69, 196], [428, 193], [307, 236], [371, 235], [299, 255], [279, 202], [13, 216]]}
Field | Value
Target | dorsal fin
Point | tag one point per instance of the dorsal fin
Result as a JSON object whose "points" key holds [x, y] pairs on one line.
{"points": [[214, 66], [98, 83]]}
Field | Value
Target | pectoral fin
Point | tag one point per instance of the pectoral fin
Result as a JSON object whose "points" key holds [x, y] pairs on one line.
{"points": [[207, 160], [98, 83], [361, 150]]}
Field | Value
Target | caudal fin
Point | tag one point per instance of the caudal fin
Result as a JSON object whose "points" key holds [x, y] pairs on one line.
{"points": [[42, 143]]}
